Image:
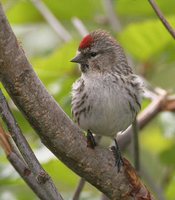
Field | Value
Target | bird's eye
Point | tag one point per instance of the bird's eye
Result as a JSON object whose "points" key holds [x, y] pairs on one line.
{"points": [[93, 54]]}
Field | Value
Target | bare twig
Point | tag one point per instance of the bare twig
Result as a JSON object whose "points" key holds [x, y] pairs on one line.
{"points": [[79, 26], [28, 176], [18, 163], [162, 18], [136, 146], [82, 181], [112, 16], [79, 189], [170, 104], [103, 197], [52, 20], [24, 148], [144, 118], [4, 141], [155, 187]]}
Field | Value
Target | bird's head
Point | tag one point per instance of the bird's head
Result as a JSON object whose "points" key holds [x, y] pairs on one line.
{"points": [[97, 52]]}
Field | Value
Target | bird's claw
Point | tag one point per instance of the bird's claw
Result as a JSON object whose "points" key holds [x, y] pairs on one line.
{"points": [[118, 157], [90, 140]]}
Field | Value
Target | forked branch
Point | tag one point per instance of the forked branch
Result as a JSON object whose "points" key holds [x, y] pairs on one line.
{"points": [[56, 130]]}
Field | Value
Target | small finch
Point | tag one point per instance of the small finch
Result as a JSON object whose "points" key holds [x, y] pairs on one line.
{"points": [[106, 98]]}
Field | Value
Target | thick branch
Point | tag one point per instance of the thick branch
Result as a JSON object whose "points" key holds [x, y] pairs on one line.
{"points": [[54, 127]]}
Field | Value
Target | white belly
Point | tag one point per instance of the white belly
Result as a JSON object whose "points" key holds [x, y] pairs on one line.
{"points": [[110, 110]]}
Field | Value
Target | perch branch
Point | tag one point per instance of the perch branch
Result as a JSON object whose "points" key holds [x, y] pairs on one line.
{"points": [[162, 18], [55, 128]]}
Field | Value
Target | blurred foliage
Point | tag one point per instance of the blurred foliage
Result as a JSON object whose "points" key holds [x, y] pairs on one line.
{"points": [[145, 40]]}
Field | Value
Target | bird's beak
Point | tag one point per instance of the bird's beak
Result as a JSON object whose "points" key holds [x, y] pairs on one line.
{"points": [[78, 59]]}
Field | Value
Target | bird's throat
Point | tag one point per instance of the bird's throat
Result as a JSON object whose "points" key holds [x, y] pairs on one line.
{"points": [[84, 67]]}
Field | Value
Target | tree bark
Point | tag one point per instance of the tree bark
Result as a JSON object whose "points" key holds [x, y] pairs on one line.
{"points": [[56, 129]]}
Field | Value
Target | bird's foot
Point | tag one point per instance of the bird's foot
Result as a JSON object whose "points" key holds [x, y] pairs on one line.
{"points": [[118, 157], [91, 143]]}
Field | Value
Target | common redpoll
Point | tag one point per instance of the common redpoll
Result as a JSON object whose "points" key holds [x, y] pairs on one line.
{"points": [[106, 98]]}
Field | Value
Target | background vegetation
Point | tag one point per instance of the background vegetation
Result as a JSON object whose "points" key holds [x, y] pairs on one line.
{"points": [[149, 46]]}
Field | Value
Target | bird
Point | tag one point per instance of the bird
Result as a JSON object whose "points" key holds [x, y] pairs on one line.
{"points": [[107, 96]]}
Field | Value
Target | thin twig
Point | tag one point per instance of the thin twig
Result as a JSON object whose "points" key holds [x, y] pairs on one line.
{"points": [[143, 119], [24, 148], [162, 18], [104, 197], [112, 17], [79, 189], [82, 181], [155, 187], [79, 26], [52, 20], [136, 145], [28, 176], [18, 163], [4, 141]]}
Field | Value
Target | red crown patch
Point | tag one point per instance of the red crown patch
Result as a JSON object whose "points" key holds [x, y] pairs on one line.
{"points": [[86, 42]]}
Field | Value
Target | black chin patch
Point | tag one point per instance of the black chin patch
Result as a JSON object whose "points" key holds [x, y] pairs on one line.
{"points": [[84, 67]]}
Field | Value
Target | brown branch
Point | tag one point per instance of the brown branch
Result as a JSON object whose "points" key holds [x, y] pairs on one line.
{"points": [[136, 149], [25, 150], [103, 197], [4, 141], [161, 103], [79, 189], [169, 104], [28, 176], [18, 163], [144, 118], [162, 18], [56, 130]]}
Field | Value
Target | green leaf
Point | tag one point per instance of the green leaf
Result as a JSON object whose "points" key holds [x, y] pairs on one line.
{"points": [[52, 67], [143, 40], [58, 73], [170, 191], [167, 156], [24, 11], [140, 9], [153, 139]]}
